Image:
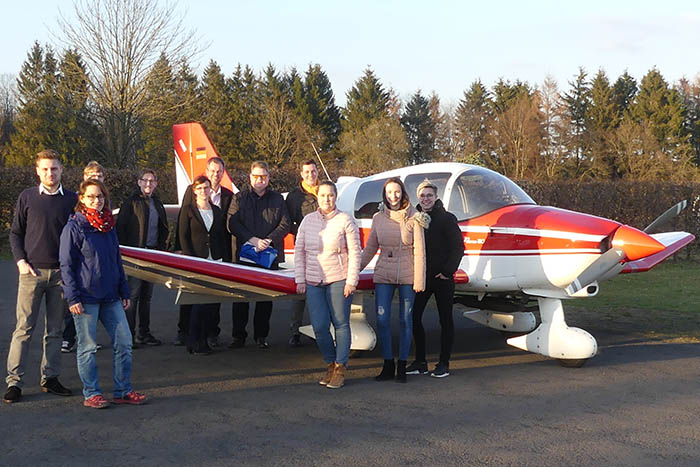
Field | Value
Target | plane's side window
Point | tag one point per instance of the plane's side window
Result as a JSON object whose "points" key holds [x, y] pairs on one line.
{"points": [[368, 197]]}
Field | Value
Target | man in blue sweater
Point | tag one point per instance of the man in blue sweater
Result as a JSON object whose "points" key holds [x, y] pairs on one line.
{"points": [[40, 215]]}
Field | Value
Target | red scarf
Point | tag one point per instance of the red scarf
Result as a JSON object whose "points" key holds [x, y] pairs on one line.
{"points": [[101, 220]]}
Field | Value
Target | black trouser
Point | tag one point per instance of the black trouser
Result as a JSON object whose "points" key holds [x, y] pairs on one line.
{"points": [[261, 320], [183, 323], [200, 325], [444, 297], [141, 293]]}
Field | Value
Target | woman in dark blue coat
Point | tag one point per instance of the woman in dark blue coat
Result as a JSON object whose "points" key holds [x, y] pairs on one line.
{"points": [[202, 233], [95, 288]]}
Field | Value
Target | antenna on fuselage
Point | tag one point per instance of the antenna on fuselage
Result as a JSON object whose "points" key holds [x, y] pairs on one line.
{"points": [[323, 166]]}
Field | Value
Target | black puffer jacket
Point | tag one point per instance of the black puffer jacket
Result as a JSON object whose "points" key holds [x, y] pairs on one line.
{"points": [[263, 216], [300, 203], [444, 246], [132, 221]]}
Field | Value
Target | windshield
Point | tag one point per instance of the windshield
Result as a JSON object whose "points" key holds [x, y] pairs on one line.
{"points": [[478, 191]]}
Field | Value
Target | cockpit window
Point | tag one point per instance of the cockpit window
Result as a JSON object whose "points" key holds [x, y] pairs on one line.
{"points": [[438, 179], [478, 191]]}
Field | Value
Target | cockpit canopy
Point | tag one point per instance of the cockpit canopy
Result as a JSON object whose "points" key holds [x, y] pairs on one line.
{"points": [[474, 192]]}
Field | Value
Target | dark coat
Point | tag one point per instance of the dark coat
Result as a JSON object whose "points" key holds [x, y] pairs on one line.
{"points": [[444, 246], [132, 222], [226, 197], [195, 240], [300, 203], [263, 216], [91, 265]]}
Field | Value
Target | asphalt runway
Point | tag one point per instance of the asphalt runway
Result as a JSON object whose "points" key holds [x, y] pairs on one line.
{"points": [[636, 403]]}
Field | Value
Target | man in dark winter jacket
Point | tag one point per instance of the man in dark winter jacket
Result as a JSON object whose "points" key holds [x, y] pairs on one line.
{"points": [[142, 223], [444, 249], [300, 202], [258, 216]]}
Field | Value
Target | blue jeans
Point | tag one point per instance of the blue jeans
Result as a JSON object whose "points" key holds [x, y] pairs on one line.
{"points": [[327, 305], [114, 320], [384, 293]]}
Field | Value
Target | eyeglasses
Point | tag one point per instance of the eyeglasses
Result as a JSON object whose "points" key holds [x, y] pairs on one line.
{"points": [[94, 197], [149, 181], [260, 177]]}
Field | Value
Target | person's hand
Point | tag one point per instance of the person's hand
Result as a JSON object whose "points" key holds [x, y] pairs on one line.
{"points": [[263, 243], [301, 289], [76, 309], [349, 290], [125, 303], [418, 289], [440, 275], [26, 268]]}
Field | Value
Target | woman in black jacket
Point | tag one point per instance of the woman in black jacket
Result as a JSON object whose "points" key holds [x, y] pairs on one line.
{"points": [[202, 233]]}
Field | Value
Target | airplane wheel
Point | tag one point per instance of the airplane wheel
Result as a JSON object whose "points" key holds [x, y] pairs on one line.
{"points": [[572, 362]]}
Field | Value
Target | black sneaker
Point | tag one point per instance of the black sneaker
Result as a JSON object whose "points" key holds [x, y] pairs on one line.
{"points": [[237, 343], [441, 370], [67, 347], [262, 343], [417, 368], [213, 341], [295, 340], [13, 394], [148, 339], [181, 339], [53, 386]]}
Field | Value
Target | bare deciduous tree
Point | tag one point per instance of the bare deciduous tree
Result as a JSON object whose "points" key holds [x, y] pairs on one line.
{"points": [[120, 40]]}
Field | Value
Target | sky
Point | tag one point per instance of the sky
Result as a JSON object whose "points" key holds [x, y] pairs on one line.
{"points": [[439, 46]]}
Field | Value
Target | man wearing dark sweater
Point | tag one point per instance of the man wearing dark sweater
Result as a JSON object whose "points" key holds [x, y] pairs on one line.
{"points": [[40, 215]]}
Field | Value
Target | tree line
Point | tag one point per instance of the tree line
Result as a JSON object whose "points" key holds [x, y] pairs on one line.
{"points": [[119, 106]]}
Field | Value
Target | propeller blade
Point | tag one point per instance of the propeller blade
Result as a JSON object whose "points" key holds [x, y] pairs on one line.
{"points": [[597, 269], [670, 213]]}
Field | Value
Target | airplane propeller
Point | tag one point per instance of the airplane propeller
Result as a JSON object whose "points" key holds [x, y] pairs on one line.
{"points": [[597, 269], [670, 213]]}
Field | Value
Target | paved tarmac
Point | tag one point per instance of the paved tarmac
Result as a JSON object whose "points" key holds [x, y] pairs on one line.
{"points": [[636, 403]]}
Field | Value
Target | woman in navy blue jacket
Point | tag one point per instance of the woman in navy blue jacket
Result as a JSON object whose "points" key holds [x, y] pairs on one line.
{"points": [[95, 288]]}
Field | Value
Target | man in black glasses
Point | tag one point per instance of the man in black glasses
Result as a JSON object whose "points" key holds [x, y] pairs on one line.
{"points": [[142, 223]]}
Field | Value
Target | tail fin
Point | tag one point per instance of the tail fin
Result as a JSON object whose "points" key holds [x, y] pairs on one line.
{"points": [[193, 149]]}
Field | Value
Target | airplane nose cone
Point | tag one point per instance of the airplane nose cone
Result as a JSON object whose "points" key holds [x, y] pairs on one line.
{"points": [[635, 243]]}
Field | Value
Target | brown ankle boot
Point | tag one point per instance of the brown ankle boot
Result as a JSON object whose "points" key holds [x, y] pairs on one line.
{"points": [[329, 375], [338, 379]]}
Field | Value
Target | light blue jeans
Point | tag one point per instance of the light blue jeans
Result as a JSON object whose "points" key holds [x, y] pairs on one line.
{"points": [[383, 294], [114, 320], [327, 305]]}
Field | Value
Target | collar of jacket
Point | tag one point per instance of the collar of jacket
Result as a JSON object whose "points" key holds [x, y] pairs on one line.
{"points": [[438, 206], [329, 216]]}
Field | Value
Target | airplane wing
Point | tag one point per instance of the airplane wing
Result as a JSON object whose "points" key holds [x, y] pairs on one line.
{"points": [[673, 241], [200, 280]]}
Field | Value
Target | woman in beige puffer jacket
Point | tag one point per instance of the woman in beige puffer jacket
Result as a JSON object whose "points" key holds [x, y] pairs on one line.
{"points": [[397, 229]]}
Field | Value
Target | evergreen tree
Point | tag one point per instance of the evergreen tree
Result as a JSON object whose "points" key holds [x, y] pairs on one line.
{"points": [[624, 90], [216, 109], [246, 102], [690, 96], [577, 102], [602, 116], [420, 129], [473, 120], [366, 100], [325, 115]]}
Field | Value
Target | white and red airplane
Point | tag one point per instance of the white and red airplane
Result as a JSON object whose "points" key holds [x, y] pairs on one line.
{"points": [[518, 255]]}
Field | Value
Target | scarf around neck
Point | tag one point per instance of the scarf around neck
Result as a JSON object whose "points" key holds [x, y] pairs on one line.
{"points": [[101, 220], [310, 189]]}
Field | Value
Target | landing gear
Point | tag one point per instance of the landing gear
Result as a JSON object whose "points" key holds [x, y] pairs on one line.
{"points": [[553, 338]]}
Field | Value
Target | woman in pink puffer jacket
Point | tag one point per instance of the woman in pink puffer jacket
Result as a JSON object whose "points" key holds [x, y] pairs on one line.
{"points": [[327, 269], [397, 229]]}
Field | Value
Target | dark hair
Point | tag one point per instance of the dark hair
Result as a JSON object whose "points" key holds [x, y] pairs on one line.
{"points": [[199, 180], [148, 171], [83, 188], [308, 162], [218, 160], [261, 165], [48, 154], [404, 196], [330, 184]]}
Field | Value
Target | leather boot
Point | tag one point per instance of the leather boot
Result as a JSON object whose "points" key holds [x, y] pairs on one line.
{"points": [[338, 379], [401, 371], [387, 371]]}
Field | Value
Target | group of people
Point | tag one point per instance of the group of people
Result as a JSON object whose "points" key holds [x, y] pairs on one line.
{"points": [[66, 247]]}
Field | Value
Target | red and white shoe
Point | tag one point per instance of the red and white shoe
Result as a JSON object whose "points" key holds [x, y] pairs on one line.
{"points": [[96, 402], [133, 398]]}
